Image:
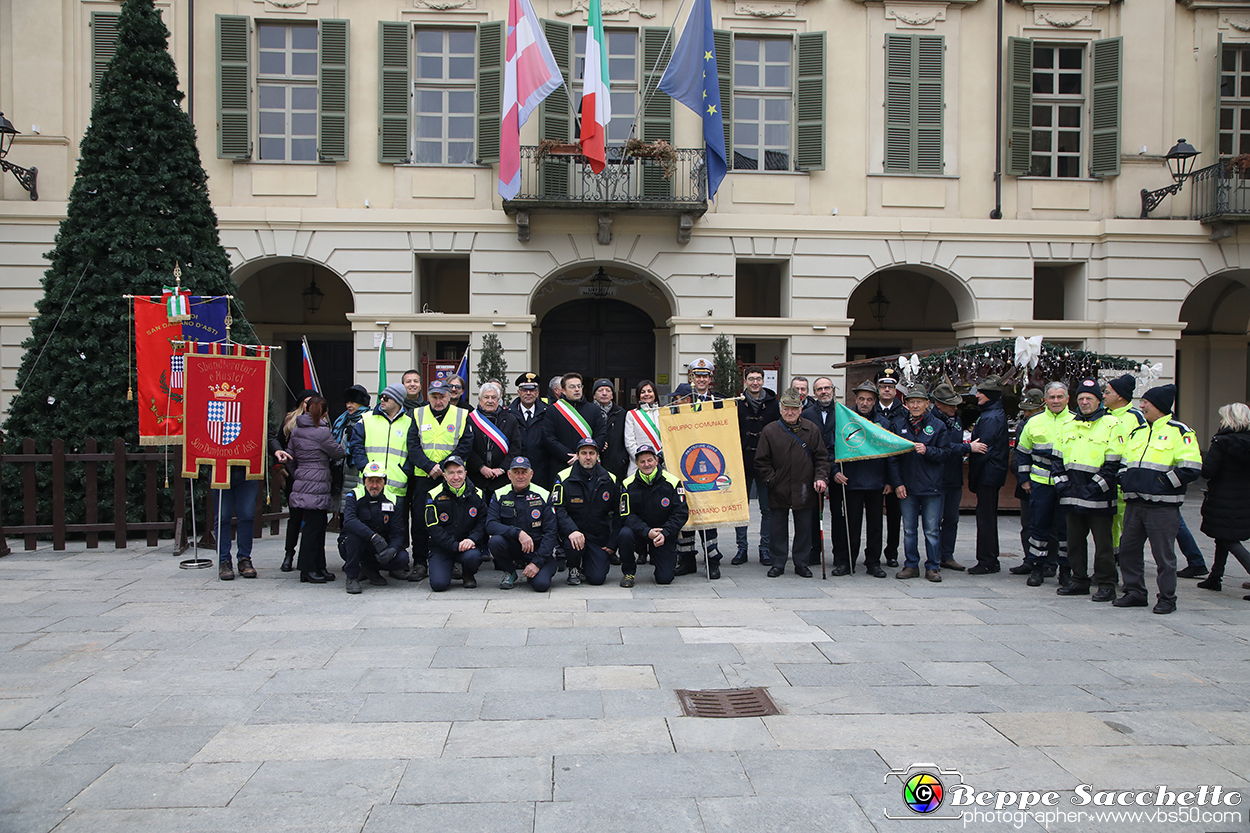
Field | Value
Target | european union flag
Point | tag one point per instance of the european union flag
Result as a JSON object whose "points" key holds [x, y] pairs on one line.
{"points": [[691, 79]]}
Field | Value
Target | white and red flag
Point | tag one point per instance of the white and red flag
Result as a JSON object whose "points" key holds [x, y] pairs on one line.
{"points": [[530, 75], [596, 95]]}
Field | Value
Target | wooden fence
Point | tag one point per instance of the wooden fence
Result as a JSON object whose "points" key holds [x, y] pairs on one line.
{"points": [[61, 526]]}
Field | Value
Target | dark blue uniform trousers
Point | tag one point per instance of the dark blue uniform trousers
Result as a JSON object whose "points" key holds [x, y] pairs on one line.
{"points": [[594, 561], [663, 558], [509, 558], [358, 553], [441, 562]]}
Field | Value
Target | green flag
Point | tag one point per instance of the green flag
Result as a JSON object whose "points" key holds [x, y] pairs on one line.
{"points": [[382, 364], [856, 438]]}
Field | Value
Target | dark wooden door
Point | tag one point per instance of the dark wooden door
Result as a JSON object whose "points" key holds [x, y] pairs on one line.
{"points": [[599, 339], [333, 360]]}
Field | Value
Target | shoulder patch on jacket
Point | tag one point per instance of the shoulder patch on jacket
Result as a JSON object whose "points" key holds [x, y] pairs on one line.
{"points": [[1185, 429]]}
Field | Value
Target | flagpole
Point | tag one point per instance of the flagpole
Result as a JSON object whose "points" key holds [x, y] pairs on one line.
{"points": [[648, 90]]}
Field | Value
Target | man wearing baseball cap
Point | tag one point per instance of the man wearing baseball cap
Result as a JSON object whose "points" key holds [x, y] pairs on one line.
{"points": [[443, 431], [372, 538], [653, 511], [455, 522], [586, 498], [522, 529]]}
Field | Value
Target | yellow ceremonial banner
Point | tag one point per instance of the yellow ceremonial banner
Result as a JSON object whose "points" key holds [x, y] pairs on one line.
{"points": [[702, 449]]}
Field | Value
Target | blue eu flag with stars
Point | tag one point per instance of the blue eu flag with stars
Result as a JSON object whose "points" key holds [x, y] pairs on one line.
{"points": [[691, 79]]}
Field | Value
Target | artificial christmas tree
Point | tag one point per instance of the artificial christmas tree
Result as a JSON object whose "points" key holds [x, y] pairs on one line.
{"points": [[491, 365], [139, 206]]}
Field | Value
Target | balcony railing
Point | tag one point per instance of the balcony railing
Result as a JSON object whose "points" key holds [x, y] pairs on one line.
{"points": [[565, 181], [1220, 194]]}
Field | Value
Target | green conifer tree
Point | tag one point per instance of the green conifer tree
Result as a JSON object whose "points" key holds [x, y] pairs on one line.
{"points": [[725, 377], [491, 365], [138, 206]]}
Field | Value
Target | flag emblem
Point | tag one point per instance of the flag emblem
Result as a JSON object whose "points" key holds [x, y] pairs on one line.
{"points": [[177, 366], [223, 422]]}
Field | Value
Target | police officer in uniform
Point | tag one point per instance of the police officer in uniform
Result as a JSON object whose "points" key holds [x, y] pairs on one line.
{"points": [[455, 522], [442, 431], [586, 498], [372, 538], [387, 436], [653, 511], [522, 529], [530, 412], [891, 410]]}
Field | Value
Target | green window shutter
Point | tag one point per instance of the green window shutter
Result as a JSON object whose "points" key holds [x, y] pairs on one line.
{"points": [[489, 89], [899, 105], [810, 108], [1104, 157], [332, 52], [394, 88], [914, 105], [723, 42], [555, 113], [1019, 106], [103, 47], [657, 112], [234, 87]]}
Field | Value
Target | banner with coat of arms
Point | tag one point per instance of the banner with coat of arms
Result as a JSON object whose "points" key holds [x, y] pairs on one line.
{"points": [[227, 410], [159, 330], [703, 449]]}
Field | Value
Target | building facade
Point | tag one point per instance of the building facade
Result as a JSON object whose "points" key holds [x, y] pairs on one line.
{"points": [[985, 186]]}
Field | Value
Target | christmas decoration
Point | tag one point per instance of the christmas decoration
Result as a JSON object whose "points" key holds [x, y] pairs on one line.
{"points": [[968, 364]]}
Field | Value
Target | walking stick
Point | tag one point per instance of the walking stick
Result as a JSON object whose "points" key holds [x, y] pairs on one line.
{"points": [[820, 526], [846, 525]]}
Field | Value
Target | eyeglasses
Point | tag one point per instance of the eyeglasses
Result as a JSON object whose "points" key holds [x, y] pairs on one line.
{"points": [[456, 387]]}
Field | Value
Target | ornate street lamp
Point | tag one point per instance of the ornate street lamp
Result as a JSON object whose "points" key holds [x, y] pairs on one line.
{"points": [[313, 297], [1180, 163], [26, 177], [879, 305]]}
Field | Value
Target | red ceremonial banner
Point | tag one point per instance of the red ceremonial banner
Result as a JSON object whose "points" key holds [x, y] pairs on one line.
{"points": [[227, 410]]}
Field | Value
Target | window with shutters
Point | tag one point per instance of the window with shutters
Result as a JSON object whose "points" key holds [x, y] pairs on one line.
{"points": [[914, 103], [286, 92], [444, 96], [763, 103], [623, 72], [1234, 100], [1058, 109]]}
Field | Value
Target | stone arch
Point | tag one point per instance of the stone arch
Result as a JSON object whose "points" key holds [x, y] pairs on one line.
{"points": [[1213, 352]]}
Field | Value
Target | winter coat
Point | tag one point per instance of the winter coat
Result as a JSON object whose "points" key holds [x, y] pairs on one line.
{"points": [[868, 475], [511, 512], [365, 516], [561, 437], [587, 501], [636, 435], [485, 453], [532, 444], [660, 504], [450, 519], [922, 474], [313, 449], [346, 477], [989, 470], [614, 456], [752, 417], [1226, 466], [953, 474], [787, 468]]}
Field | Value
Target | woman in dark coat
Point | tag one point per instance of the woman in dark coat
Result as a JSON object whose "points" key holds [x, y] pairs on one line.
{"points": [[311, 449], [1226, 466]]}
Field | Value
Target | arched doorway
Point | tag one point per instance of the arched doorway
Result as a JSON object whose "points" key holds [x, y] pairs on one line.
{"points": [[286, 300], [1212, 356], [599, 338]]}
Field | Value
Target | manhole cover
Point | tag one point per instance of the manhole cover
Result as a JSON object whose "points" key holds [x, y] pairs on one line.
{"points": [[727, 702]]}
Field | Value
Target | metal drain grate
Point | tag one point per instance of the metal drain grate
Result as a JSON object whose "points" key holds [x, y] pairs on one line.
{"points": [[727, 702]]}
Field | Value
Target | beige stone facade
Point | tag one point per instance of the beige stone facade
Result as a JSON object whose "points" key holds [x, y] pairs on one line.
{"points": [[783, 261]]}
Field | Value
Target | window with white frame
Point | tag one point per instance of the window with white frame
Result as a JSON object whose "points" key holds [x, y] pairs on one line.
{"points": [[286, 86], [623, 73], [762, 103], [1058, 110], [445, 96], [1234, 100]]}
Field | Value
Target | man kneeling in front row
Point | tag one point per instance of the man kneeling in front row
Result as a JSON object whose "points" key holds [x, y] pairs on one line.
{"points": [[522, 529], [455, 518], [372, 539], [653, 511]]}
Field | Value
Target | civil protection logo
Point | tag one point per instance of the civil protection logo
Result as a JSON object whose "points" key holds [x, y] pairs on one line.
{"points": [[703, 469]]}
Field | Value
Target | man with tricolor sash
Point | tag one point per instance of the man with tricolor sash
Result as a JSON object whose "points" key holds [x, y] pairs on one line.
{"points": [[442, 431], [569, 420], [496, 440]]}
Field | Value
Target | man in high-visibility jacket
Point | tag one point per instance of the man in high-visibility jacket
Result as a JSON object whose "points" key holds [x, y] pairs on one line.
{"points": [[1085, 461], [386, 436], [1118, 394], [1160, 459], [442, 431], [1033, 455]]}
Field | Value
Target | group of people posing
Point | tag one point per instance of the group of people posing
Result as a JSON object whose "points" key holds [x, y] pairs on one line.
{"points": [[428, 486]]}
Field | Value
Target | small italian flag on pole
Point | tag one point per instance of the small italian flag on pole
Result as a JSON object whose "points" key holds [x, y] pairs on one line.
{"points": [[178, 304], [596, 94]]}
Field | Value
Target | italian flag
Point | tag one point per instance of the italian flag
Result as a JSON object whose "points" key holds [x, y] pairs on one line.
{"points": [[596, 101]]}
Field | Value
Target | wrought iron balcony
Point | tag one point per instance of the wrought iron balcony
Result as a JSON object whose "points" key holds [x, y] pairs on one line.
{"points": [[559, 179], [1220, 193]]}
